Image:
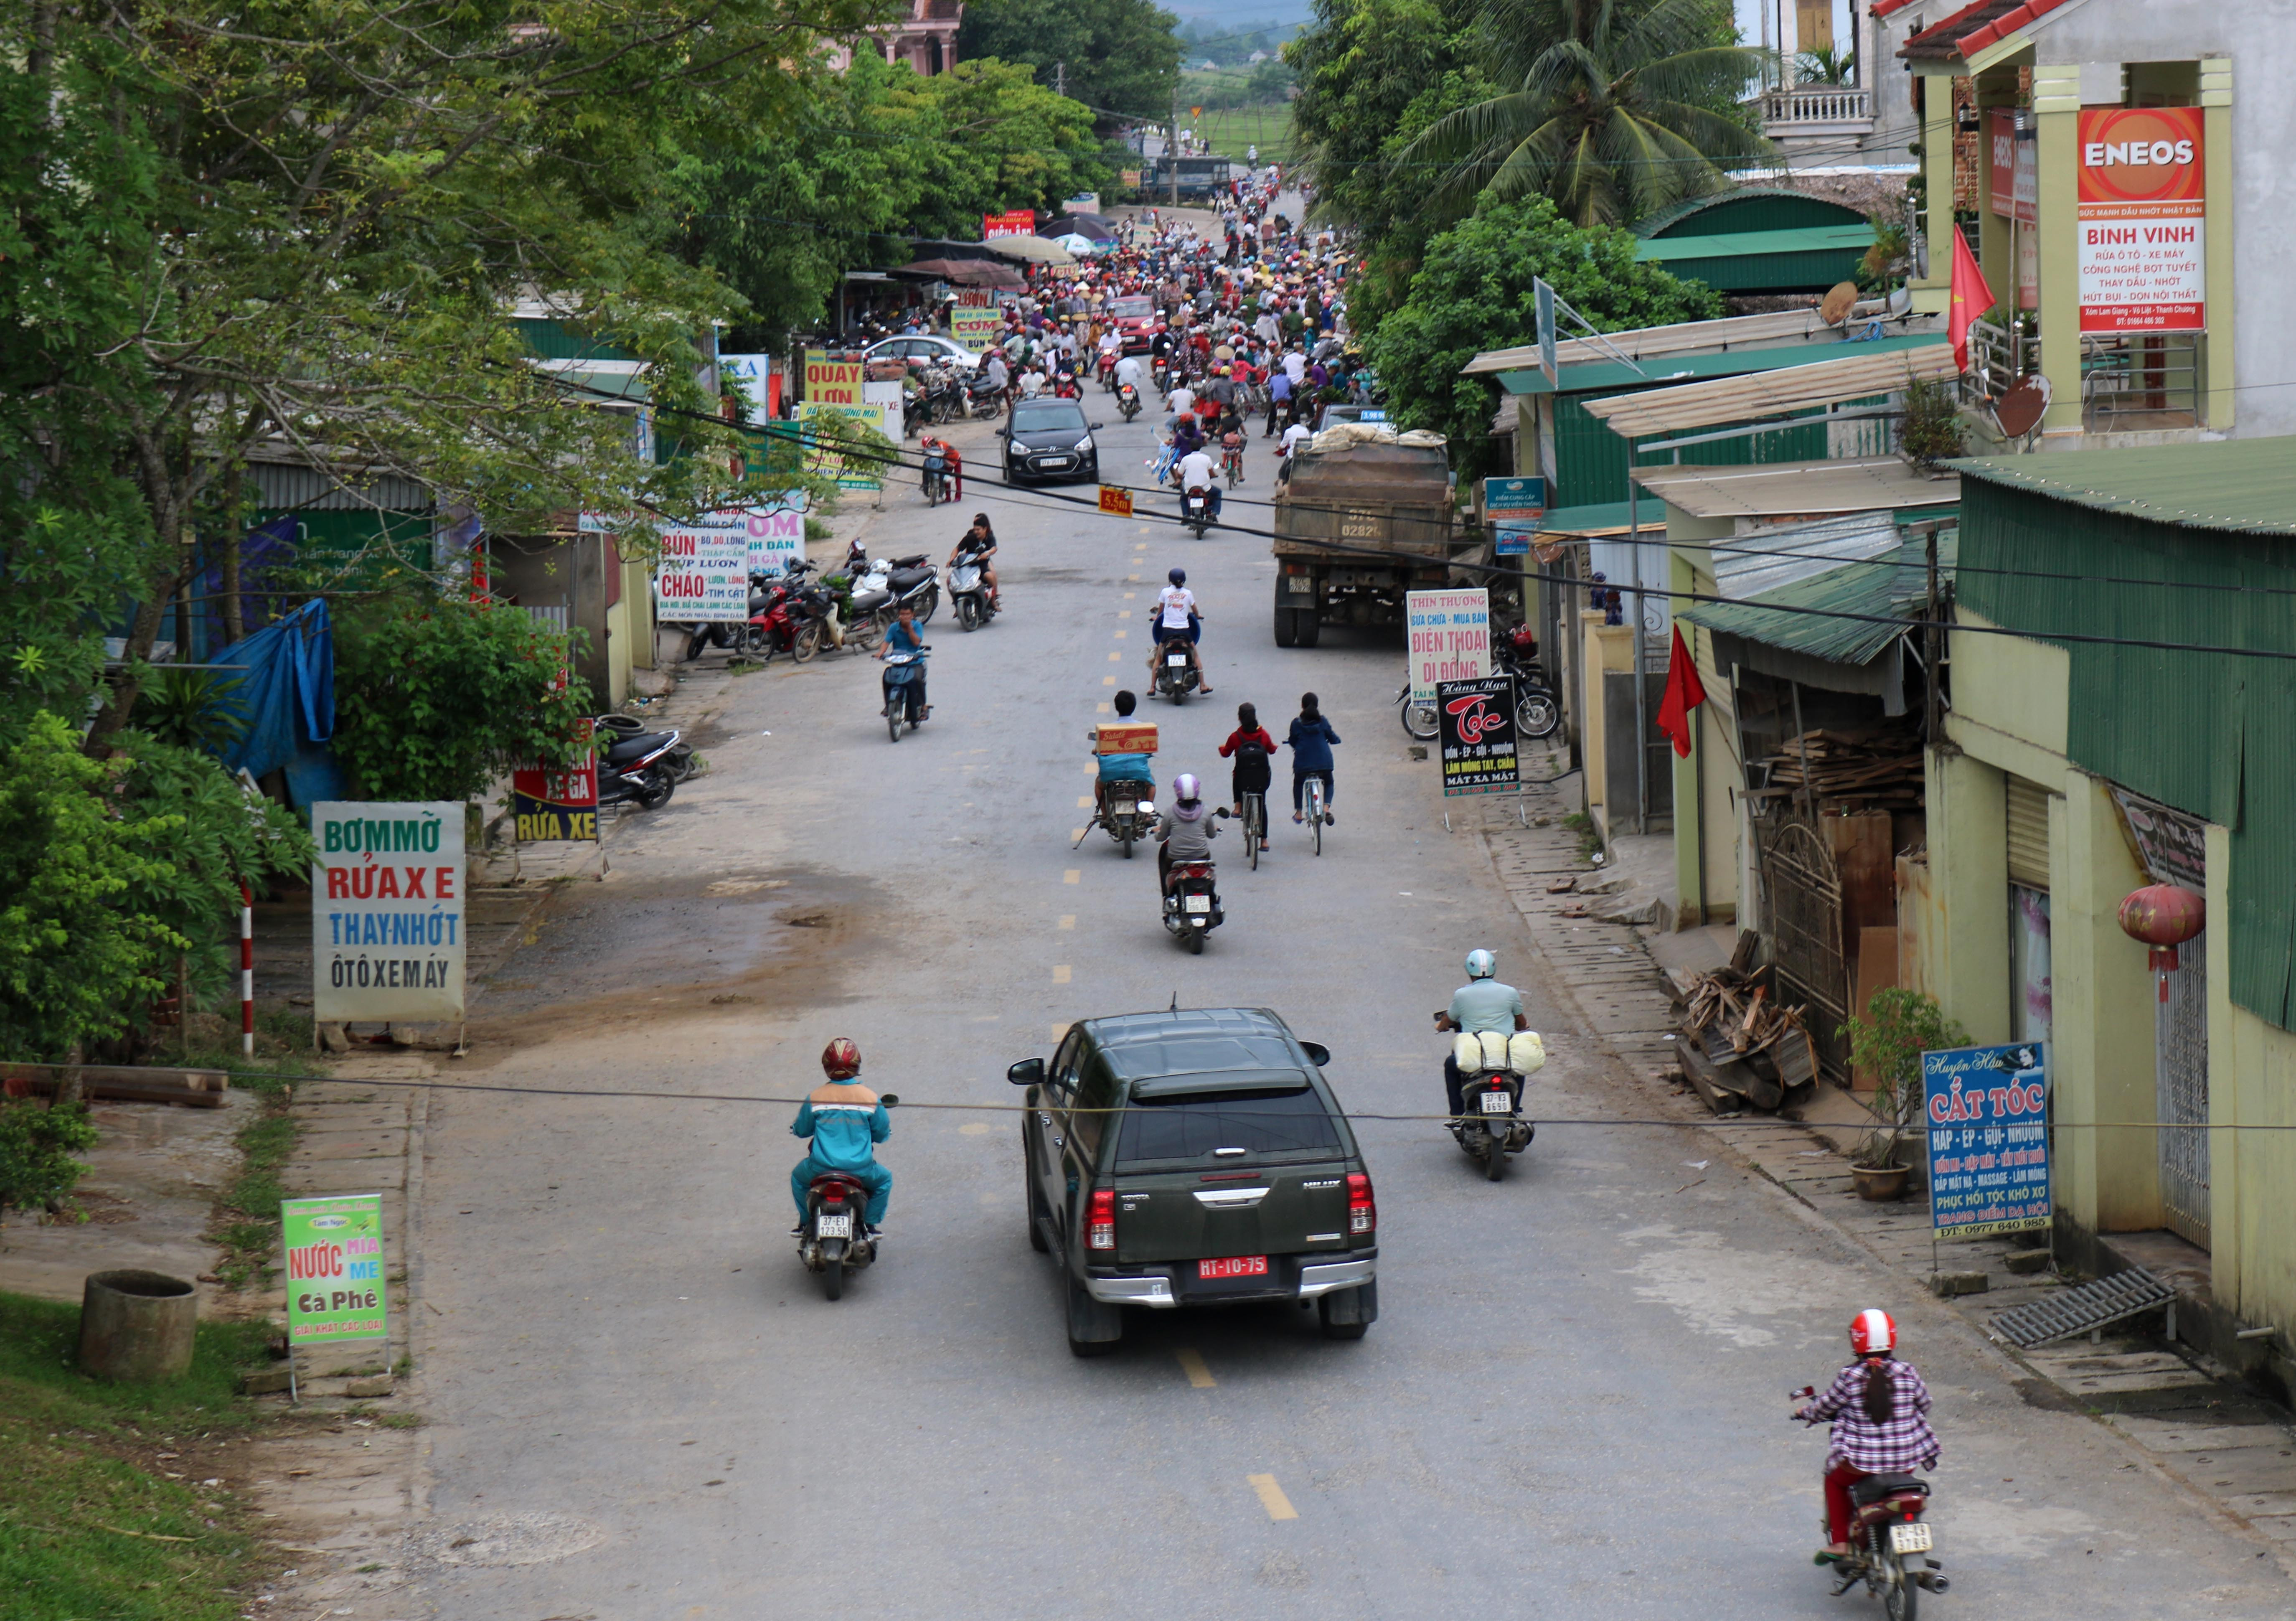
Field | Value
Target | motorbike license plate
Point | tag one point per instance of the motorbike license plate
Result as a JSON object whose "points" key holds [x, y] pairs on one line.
{"points": [[1498, 1103], [1121, 807], [1233, 1266], [1177, 661], [1200, 903], [833, 1227], [1911, 1537]]}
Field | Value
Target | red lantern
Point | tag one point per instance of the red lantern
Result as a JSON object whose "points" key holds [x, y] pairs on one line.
{"points": [[2164, 916]]}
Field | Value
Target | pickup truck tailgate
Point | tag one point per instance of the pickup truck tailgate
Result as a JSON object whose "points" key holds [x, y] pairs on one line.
{"points": [[1190, 1216]]}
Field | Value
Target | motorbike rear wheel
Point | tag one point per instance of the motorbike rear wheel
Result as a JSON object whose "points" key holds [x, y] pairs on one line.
{"points": [[1494, 1157], [807, 642], [1195, 938], [1537, 715], [1899, 1596], [832, 1278], [1421, 723], [660, 786]]}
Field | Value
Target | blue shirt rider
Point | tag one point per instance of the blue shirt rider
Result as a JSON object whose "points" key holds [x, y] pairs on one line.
{"points": [[845, 1123], [1121, 767], [1482, 1003]]}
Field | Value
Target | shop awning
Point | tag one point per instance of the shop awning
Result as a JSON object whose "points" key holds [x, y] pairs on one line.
{"points": [[1854, 484], [1764, 394], [966, 272], [1775, 330], [1805, 617], [1033, 250]]}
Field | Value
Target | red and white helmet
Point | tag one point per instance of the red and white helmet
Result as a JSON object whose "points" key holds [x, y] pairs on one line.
{"points": [[1873, 1331], [841, 1060]]}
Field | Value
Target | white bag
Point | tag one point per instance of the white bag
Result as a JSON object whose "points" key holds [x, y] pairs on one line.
{"points": [[1479, 1053]]}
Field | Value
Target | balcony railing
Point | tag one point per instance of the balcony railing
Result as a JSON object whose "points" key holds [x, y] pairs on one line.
{"points": [[1787, 110], [1997, 358], [2134, 382]]}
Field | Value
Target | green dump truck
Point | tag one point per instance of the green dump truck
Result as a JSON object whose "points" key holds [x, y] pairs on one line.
{"points": [[1357, 489]]}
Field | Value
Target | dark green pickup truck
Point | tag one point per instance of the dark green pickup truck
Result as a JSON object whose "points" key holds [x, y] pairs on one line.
{"points": [[1195, 1157]]}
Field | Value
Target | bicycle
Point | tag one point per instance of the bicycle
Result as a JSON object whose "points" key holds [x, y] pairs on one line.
{"points": [[1316, 814], [1255, 824]]}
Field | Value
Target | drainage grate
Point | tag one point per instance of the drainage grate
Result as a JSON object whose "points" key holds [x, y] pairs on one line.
{"points": [[2080, 1311]]}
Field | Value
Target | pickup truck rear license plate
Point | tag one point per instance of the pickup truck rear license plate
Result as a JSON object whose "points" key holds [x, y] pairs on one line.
{"points": [[1233, 1266], [834, 1227], [1496, 1103], [1911, 1537]]}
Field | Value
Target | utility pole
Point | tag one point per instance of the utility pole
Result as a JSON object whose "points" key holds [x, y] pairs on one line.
{"points": [[1059, 78], [1172, 147]]}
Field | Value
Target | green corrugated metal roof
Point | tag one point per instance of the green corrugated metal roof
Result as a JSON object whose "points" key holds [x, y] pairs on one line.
{"points": [[2248, 485], [1870, 588], [1612, 375], [1748, 208], [1749, 244]]}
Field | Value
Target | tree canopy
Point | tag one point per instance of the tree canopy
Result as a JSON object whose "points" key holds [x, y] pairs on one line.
{"points": [[1473, 293], [1115, 56]]}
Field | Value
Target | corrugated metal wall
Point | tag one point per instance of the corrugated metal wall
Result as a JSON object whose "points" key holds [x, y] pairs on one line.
{"points": [[2213, 735], [1759, 213], [1590, 460]]}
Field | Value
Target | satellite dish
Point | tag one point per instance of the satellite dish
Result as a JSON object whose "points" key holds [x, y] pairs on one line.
{"points": [[2018, 411], [1835, 309], [1901, 300]]}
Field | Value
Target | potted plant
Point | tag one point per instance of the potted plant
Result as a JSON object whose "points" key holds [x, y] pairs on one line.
{"points": [[1887, 1042]]}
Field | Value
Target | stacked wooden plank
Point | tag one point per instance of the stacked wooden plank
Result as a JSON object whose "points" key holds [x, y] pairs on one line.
{"points": [[1742, 1047], [1877, 768], [123, 1084]]}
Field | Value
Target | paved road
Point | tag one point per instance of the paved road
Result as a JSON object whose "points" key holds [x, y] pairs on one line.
{"points": [[1572, 1406]]}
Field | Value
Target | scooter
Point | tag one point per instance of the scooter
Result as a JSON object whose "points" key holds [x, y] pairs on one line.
{"points": [[936, 479], [636, 768], [1175, 674], [680, 760], [1108, 373], [968, 597], [833, 1240], [1192, 905], [1196, 511], [1231, 464], [1537, 715], [904, 679], [1128, 401], [1891, 1547], [1127, 810], [1493, 1069]]}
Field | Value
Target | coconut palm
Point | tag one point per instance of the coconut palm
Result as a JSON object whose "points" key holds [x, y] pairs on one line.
{"points": [[1618, 108]]}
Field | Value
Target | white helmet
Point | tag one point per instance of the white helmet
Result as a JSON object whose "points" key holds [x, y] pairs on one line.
{"points": [[1481, 965], [1187, 796]]}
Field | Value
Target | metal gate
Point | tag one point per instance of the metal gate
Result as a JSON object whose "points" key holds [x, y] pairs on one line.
{"points": [[1801, 887], [2181, 1067]]}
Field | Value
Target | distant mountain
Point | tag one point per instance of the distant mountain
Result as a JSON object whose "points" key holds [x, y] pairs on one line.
{"points": [[1241, 17]]}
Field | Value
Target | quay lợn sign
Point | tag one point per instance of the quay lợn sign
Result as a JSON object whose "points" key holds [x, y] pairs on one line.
{"points": [[1988, 1110], [335, 1285], [2142, 204], [1450, 638], [388, 940], [832, 383]]}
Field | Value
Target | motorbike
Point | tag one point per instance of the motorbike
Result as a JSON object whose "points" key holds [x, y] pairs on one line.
{"points": [[1537, 713], [1231, 464], [904, 673], [1192, 907], [915, 412], [982, 399], [1493, 1070], [798, 618], [1108, 373], [833, 1240], [1175, 674], [968, 595], [706, 632], [1128, 401], [936, 479], [1066, 387], [680, 760], [1196, 511], [906, 582], [1892, 1546], [1419, 719], [636, 767], [1127, 810]]}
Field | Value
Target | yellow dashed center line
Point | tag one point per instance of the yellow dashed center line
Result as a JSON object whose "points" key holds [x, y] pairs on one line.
{"points": [[1074, 875], [1121, 634], [1192, 1363], [1061, 974], [1272, 1497], [1112, 658], [1108, 680], [1067, 920], [1124, 613]]}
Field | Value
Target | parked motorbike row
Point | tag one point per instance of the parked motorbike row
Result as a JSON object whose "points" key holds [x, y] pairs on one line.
{"points": [[948, 394], [1537, 713]]}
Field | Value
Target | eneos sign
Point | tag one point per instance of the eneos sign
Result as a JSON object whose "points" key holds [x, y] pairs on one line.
{"points": [[2143, 209]]}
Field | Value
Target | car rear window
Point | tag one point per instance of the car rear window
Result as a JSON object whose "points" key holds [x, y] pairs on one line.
{"points": [[1205, 1053], [1190, 1127], [1132, 309], [1040, 419]]}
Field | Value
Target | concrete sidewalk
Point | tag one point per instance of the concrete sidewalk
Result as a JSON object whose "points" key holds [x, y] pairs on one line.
{"points": [[2184, 1419]]}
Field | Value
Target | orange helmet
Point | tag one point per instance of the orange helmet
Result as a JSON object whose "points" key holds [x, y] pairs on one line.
{"points": [[841, 1059], [1873, 1331]]}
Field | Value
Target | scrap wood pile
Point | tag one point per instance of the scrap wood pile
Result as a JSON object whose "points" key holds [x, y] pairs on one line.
{"points": [[1876, 768], [1744, 1047]]}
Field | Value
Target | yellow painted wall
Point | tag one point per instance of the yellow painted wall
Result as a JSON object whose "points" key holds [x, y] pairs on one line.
{"points": [[1706, 830], [1606, 647], [2252, 1173]]}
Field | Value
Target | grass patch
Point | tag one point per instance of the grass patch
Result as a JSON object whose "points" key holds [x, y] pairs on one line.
{"points": [[82, 1474], [248, 1215], [1589, 841]]}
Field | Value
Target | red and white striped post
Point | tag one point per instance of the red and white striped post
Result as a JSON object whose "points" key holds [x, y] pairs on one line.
{"points": [[246, 971]]}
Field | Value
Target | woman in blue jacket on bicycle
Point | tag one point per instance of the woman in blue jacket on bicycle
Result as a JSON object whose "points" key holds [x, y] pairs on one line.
{"points": [[1311, 742]]}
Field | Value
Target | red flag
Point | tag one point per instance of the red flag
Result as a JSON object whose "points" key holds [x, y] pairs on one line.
{"points": [[1972, 297], [1684, 692]]}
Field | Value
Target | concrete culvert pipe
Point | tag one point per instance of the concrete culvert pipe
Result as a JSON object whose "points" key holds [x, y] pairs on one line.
{"points": [[136, 1327]]}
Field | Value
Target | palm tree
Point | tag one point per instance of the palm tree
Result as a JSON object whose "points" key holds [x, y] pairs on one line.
{"points": [[1618, 108]]}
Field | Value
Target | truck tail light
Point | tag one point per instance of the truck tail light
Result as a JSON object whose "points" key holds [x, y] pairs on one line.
{"points": [[1363, 1210], [1100, 1220]]}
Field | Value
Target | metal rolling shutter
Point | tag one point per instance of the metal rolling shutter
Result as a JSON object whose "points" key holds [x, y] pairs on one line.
{"points": [[2029, 834]]}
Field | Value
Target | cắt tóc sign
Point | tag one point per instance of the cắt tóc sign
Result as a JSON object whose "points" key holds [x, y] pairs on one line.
{"points": [[1987, 1109], [388, 940], [336, 1289], [1475, 723]]}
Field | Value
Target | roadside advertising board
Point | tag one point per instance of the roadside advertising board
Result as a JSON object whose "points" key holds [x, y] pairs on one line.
{"points": [[1476, 725], [750, 376], [2143, 203], [1012, 222], [976, 326], [2016, 169], [850, 474], [1987, 1108], [1450, 638], [1516, 508], [335, 1287], [387, 935], [776, 533], [554, 804], [832, 383], [1116, 499], [704, 576]]}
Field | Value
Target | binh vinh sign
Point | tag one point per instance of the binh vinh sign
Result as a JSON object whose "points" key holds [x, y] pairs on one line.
{"points": [[2143, 203], [388, 940]]}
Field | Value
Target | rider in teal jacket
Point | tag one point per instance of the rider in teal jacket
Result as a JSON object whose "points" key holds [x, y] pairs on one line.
{"points": [[845, 1123]]}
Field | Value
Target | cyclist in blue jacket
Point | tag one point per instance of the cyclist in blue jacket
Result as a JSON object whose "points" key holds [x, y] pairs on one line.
{"points": [[1311, 742], [845, 1123]]}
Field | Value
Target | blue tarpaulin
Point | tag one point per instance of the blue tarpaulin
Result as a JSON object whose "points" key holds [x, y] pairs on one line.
{"points": [[288, 696]]}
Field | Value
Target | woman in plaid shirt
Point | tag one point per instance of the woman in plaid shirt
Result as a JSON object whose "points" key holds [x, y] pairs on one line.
{"points": [[1880, 1408]]}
